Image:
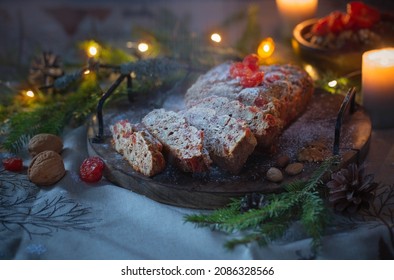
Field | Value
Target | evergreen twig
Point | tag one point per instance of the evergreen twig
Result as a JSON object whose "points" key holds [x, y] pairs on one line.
{"points": [[300, 201]]}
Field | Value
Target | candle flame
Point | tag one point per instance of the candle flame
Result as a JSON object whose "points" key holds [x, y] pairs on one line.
{"points": [[86, 72], [216, 37]]}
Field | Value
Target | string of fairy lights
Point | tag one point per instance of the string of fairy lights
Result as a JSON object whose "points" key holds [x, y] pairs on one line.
{"points": [[264, 50]]}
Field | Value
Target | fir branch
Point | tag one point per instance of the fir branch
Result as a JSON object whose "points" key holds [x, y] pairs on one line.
{"points": [[66, 80], [300, 201], [249, 238], [314, 217], [26, 124], [52, 115], [321, 172]]}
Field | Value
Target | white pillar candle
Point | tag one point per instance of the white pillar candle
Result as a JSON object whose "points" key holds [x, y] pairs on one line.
{"points": [[378, 86], [293, 12]]}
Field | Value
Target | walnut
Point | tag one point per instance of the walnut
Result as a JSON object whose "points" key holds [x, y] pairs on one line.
{"points": [[46, 168], [45, 142], [315, 151]]}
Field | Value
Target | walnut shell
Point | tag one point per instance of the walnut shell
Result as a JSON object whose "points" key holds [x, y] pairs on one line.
{"points": [[46, 168], [45, 142]]}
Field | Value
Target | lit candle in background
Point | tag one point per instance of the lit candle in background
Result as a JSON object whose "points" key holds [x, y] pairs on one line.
{"points": [[293, 12], [378, 86]]}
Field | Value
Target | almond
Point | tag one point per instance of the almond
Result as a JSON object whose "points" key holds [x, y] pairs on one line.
{"points": [[294, 168]]}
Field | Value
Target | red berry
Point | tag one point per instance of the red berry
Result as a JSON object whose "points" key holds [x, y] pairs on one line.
{"points": [[336, 21], [252, 62], [13, 164], [321, 27], [364, 16], [252, 80], [270, 119], [91, 169], [247, 71], [349, 23], [237, 69]]}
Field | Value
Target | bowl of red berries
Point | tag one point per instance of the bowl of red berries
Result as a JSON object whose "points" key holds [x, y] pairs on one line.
{"points": [[338, 40]]}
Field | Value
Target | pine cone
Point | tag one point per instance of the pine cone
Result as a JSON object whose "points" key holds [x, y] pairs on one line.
{"points": [[44, 69], [350, 190], [252, 201]]}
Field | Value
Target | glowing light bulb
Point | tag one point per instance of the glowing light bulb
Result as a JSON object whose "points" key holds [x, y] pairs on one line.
{"points": [[311, 71], [129, 45], [332, 83], [143, 47], [30, 93], [86, 72], [92, 51], [216, 37], [266, 48]]}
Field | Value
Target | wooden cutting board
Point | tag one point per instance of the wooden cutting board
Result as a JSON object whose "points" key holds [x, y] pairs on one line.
{"points": [[215, 189]]}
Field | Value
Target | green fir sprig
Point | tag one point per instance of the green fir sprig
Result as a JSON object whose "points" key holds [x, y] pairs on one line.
{"points": [[51, 114], [300, 201]]}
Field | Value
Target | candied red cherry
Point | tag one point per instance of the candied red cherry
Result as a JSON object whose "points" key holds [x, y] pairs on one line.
{"points": [[349, 23], [237, 69], [321, 27], [252, 62], [364, 16], [13, 164], [91, 169], [252, 80], [336, 22]]}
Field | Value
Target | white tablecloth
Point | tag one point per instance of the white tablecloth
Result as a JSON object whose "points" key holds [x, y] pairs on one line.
{"points": [[77, 220]]}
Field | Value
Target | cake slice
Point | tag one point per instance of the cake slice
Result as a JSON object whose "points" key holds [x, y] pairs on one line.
{"points": [[228, 140], [138, 147], [181, 140], [264, 123]]}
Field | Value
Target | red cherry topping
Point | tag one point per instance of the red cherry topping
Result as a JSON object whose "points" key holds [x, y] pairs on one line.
{"points": [[91, 169], [247, 71]]}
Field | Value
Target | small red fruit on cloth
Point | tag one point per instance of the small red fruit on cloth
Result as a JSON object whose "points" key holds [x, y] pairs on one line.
{"points": [[13, 164], [91, 169]]}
